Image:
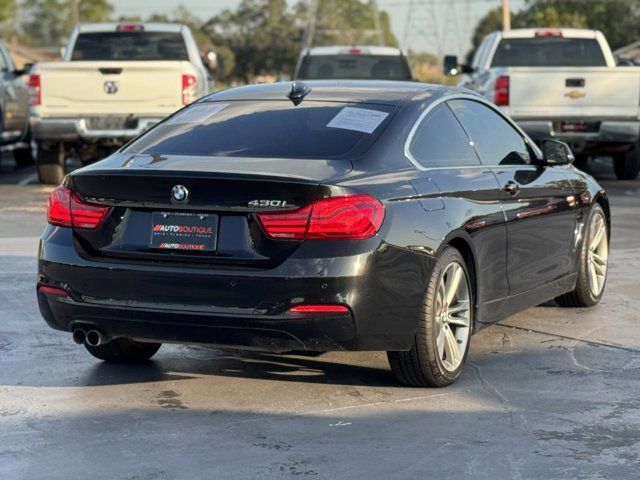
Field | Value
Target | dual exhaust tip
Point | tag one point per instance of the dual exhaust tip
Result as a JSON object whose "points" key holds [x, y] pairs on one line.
{"points": [[93, 338]]}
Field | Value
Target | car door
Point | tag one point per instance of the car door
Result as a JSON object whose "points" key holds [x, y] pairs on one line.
{"points": [[538, 200], [469, 193]]}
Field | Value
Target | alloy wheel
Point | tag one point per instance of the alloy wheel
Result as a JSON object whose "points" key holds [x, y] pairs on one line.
{"points": [[597, 255], [452, 316]]}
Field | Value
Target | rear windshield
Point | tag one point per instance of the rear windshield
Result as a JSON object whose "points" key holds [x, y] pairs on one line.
{"points": [[130, 46], [272, 129], [548, 52], [354, 67]]}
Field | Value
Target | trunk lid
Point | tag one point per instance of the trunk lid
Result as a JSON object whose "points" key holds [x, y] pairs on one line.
{"points": [[227, 198]]}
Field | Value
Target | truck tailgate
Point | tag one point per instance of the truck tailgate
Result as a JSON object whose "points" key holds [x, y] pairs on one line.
{"points": [[149, 88], [592, 92]]}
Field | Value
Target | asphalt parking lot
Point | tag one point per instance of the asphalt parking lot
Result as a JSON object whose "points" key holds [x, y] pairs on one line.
{"points": [[549, 393]]}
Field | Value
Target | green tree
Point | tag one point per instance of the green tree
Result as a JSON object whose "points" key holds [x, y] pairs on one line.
{"points": [[262, 34], [619, 20], [7, 10], [49, 22]]}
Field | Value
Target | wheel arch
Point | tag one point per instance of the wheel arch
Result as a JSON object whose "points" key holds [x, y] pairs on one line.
{"points": [[464, 246], [602, 200]]}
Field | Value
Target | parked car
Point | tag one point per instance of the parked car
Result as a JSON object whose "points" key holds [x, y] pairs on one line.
{"points": [[359, 62], [114, 81], [14, 105], [561, 83], [389, 216]]}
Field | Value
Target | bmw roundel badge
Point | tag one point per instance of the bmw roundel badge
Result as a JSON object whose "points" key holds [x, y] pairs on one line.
{"points": [[179, 194]]}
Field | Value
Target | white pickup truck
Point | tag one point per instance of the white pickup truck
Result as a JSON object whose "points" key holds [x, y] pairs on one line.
{"points": [[114, 81], [561, 83]]}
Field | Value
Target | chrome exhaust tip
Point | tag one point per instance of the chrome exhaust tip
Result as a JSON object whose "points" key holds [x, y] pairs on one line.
{"points": [[79, 336], [94, 338]]}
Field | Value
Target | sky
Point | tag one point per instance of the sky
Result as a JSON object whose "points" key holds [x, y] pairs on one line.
{"points": [[437, 26]]}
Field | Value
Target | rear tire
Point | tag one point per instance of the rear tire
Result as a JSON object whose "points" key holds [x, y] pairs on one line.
{"points": [[441, 342], [627, 165], [592, 271], [124, 350], [50, 165]]}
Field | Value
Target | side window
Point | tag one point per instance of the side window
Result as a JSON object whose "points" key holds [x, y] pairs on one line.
{"points": [[440, 141], [481, 53], [496, 141]]}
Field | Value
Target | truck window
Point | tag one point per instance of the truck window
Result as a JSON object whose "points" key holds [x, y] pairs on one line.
{"points": [[548, 52], [354, 67], [130, 46]]}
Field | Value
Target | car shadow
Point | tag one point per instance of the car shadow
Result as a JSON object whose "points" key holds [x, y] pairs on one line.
{"points": [[211, 362]]}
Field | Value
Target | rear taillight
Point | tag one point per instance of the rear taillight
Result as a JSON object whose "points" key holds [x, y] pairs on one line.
{"points": [[501, 90], [35, 90], [189, 94], [67, 210], [353, 217]]}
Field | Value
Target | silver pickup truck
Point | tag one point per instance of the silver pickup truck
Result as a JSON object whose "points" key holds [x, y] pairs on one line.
{"points": [[14, 105], [564, 84]]}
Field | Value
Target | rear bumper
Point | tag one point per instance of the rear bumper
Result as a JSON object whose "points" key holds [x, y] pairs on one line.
{"points": [[609, 131], [381, 285], [76, 130]]}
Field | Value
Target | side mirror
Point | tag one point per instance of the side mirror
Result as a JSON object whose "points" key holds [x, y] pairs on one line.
{"points": [[451, 65], [211, 60], [557, 153], [24, 70]]}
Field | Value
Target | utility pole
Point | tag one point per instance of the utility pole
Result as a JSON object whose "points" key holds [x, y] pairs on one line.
{"points": [[75, 12], [310, 30], [376, 22], [506, 16]]}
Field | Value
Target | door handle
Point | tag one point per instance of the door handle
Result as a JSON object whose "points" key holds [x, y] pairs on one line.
{"points": [[512, 188]]}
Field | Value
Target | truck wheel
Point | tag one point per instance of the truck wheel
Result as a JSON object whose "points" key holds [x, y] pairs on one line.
{"points": [[50, 164], [627, 165], [581, 161], [23, 157]]}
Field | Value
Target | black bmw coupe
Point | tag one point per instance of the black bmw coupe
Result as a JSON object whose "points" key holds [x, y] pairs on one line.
{"points": [[322, 216]]}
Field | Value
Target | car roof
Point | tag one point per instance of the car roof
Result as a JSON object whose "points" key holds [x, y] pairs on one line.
{"points": [[352, 50], [113, 26], [360, 91]]}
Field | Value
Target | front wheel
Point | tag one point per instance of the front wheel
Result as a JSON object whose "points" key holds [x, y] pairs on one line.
{"points": [[592, 270], [441, 342], [124, 350], [627, 165]]}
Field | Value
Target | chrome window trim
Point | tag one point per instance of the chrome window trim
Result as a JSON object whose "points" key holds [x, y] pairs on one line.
{"points": [[473, 98]]}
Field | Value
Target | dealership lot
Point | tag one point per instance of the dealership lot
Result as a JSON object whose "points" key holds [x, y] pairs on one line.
{"points": [[551, 392]]}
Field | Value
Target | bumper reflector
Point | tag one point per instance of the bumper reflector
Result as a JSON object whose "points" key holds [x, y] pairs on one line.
{"points": [[319, 309], [52, 291]]}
